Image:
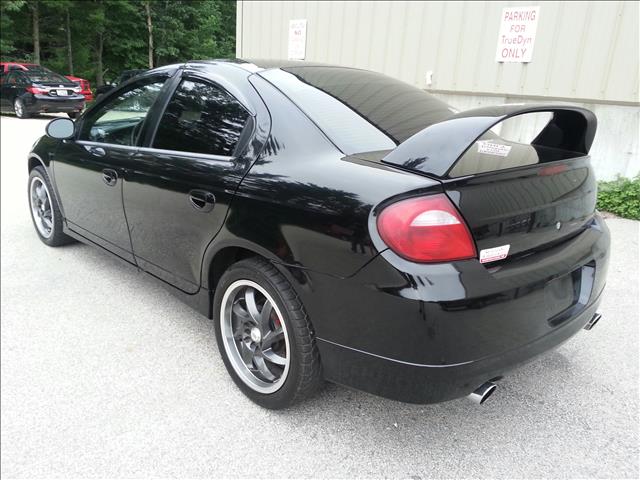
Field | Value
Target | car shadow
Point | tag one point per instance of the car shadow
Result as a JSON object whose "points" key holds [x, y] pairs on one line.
{"points": [[522, 430], [525, 387]]}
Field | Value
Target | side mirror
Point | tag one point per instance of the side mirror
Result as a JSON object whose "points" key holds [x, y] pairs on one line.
{"points": [[61, 128]]}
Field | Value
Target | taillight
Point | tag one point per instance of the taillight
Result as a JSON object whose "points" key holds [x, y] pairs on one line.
{"points": [[426, 229], [35, 90]]}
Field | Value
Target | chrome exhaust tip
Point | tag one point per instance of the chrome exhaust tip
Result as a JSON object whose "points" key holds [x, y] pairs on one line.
{"points": [[592, 323], [482, 393]]}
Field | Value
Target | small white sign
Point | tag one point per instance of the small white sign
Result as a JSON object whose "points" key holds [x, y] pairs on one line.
{"points": [[492, 148], [517, 34], [494, 254], [297, 39]]}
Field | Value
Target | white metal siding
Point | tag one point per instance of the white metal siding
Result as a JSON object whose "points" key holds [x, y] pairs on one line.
{"points": [[583, 50], [615, 148]]}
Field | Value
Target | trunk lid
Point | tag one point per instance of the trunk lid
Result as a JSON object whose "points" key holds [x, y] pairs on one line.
{"points": [[516, 198], [58, 89], [527, 208]]}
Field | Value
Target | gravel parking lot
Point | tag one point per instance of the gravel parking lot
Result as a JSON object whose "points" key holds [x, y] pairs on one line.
{"points": [[104, 374]]}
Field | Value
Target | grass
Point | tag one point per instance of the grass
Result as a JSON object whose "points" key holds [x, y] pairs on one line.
{"points": [[620, 197]]}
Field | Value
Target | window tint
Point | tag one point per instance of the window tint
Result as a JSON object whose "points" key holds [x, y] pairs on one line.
{"points": [[42, 76], [37, 68], [333, 97], [346, 127], [16, 78], [201, 118], [120, 120]]}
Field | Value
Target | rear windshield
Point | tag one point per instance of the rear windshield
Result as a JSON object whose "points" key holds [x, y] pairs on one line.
{"points": [[359, 110], [42, 76]]}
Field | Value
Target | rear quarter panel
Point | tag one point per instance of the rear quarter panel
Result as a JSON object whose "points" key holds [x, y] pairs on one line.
{"points": [[305, 202]]}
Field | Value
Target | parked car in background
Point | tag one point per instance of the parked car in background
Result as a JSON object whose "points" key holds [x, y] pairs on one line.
{"points": [[336, 223], [29, 92], [84, 85], [33, 67], [123, 77]]}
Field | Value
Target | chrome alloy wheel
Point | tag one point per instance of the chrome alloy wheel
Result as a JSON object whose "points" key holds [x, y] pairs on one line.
{"points": [[18, 107], [255, 336], [41, 210]]}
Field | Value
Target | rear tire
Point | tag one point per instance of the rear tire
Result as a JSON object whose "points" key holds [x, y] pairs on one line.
{"points": [[45, 212], [19, 109], [73, 115], [273, 374]]}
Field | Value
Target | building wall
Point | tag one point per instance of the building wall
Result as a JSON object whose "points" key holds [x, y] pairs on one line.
{"points": [[585, 53]]}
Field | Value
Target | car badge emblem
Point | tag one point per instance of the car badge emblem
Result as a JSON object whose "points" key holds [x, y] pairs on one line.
{"points": [[558, 225]]}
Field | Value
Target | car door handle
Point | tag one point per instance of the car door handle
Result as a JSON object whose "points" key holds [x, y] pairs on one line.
{"points": [[202, 200], [109, 176], [97, 151]]}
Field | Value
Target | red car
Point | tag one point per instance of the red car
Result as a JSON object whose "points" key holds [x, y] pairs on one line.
{"points": [[8, 66], [84, 84]]}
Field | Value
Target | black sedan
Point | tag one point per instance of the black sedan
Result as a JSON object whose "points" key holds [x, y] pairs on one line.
{"points": [[26, 93], [336, 224]]}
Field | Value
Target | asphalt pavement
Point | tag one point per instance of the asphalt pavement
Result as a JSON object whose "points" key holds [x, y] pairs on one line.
{"points": [[105, 374]]}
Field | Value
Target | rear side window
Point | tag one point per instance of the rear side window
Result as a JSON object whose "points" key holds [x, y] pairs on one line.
{"points": [[12, 78], [201, 118]]}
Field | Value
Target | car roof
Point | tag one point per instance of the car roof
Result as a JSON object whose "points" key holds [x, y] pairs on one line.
{"points": [[259, 64], [248, 65], [21, 64]]}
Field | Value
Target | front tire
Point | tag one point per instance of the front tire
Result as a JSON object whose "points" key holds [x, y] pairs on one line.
{"points": [[20, 109], [45, 211], [264, 335]]}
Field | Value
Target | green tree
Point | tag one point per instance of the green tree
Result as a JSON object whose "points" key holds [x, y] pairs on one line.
{"points": [[95, 39], [7, 7]]}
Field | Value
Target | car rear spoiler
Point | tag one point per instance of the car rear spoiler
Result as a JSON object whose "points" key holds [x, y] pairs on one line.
{"points": [[437, 148]]}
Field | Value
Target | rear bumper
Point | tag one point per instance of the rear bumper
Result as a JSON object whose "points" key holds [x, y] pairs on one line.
{"points": [[45, 103], [430, 333], [416, 383]]}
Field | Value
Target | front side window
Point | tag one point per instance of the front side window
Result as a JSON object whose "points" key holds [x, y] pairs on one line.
{"points": [[201, 118], [120, 120]]}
